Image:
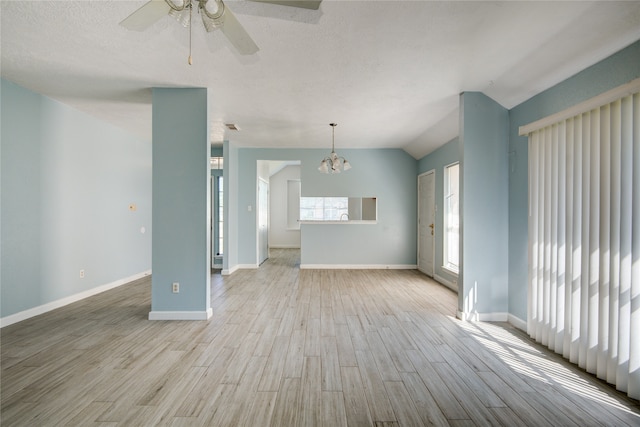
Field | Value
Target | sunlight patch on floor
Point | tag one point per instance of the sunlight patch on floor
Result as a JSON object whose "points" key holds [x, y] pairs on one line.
{"points": [[527, 360]]}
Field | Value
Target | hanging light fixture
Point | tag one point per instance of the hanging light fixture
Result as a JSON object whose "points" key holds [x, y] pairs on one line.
{"points": [[212, 16], [183, 12], [333, 163]]}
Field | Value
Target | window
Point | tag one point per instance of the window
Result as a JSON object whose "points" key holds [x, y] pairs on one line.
{"points": [[216, 163], [219, 206], [584, 230], [323, 208], [451, 217]]}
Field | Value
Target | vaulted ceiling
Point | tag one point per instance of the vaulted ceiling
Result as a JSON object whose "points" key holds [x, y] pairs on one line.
{"points": [[388, 72]]}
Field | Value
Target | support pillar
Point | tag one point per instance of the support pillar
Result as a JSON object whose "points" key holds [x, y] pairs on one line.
{"points": [[181, 244]]}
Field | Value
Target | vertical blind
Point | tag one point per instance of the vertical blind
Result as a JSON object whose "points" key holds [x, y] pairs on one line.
{"points": [[584, 240]]}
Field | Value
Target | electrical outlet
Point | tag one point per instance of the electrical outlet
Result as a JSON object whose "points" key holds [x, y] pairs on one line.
{"points": [[82, 274], [175, 288]]}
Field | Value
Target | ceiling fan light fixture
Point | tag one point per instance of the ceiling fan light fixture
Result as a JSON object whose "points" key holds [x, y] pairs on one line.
{"points": [[182, 16], [212, 19], [178, 4], [210, 24], [214, 15]]}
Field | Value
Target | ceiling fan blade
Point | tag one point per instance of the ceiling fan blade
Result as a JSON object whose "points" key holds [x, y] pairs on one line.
{"points": [[146, 16], [237, 35], [306, 4]]}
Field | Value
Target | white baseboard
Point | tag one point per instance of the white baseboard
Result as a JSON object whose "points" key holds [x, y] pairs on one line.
{"points": [[517, 322], [284, 246], [493, 317], [41, 309], [227, 272], [482, 317], [448, 283], [357, 267], [181, 315]]}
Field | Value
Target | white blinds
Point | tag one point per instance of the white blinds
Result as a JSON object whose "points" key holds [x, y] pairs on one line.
{"points": [[584, 240]]}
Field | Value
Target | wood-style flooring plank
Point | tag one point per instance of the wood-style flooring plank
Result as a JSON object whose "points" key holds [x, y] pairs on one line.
{"points": [[346, 353], [428, 409], [311, 397], [357, 409], [374, 387], [295, 355], [274, 368], [287, 405], [477, 411], [331, 380], [333, 409], [261, 409], [385, 363], [402, 404], [437, 387]]}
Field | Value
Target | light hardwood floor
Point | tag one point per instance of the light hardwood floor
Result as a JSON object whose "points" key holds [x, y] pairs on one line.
{"points": [[292, 348]]}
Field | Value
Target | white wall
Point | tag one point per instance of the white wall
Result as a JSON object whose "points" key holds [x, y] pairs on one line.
{"points": [[280, 236]]}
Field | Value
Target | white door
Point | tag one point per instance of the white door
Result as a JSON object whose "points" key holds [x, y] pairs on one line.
{"points": [[263, 221], [426, 222]]}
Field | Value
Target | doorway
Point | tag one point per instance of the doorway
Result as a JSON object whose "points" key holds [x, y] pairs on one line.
{"points": [[217, 220], [426, 222], [263, 220]]}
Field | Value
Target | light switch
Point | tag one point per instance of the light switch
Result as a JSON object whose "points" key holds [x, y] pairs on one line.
{"points": [[249, 208]]}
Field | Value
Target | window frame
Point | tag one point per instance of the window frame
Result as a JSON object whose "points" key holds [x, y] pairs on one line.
{"points": [[447, 263], [331, 208]]}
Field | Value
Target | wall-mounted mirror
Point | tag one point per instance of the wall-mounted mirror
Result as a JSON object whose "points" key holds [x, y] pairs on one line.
{"points": [[362, 209]]}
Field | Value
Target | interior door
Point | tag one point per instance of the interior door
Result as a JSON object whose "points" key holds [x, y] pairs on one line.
{"points": [[426, 222], [263, 221]]}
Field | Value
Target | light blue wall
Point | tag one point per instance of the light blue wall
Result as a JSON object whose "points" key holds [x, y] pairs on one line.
{"points": [[437, 161], [484, 141], [391, 241], [614, 71], [67, 182], [181, 201], [217, 151]]}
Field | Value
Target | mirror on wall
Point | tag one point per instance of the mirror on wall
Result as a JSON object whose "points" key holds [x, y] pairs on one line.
{"points": [[362, 208]]}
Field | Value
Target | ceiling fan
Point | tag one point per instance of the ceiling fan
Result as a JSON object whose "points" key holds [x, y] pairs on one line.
{"points": [[215, 14]]}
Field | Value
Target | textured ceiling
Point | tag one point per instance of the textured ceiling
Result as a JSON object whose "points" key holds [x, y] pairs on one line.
{"points": [[388, 72]]}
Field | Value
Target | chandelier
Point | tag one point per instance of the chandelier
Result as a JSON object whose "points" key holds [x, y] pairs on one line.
{"points": [[333, 163]]}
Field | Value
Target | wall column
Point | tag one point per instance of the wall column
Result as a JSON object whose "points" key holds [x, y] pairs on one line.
{"points": [[181, 247], [484, 208]]}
